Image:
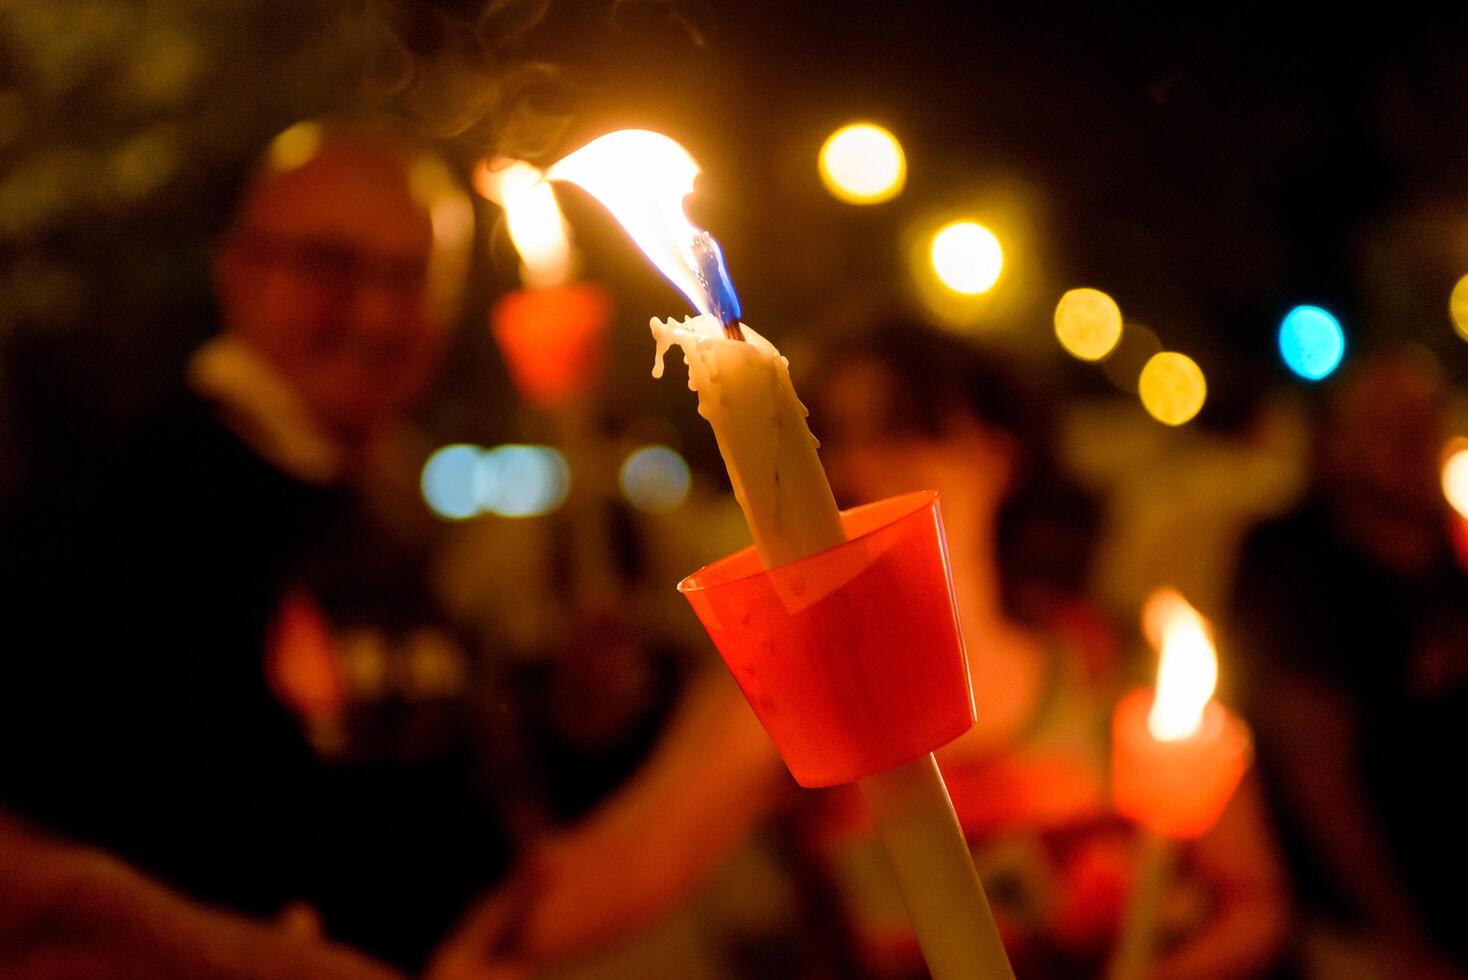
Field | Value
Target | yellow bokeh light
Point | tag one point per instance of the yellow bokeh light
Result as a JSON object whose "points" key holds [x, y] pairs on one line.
{"points": [[1458, 307], [1172, 387], [863, 164], [1088, 323], [295, 146], [966, 257], [1455, 475]]}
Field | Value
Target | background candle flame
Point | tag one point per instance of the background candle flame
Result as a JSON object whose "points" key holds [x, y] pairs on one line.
{"points": [[536, 225], [1187, 669], [642, 177]]}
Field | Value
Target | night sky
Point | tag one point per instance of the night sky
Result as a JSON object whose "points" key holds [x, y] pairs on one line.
{"points": [[1209, 169]]}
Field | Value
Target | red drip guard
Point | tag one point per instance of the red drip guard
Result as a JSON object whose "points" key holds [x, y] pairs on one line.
{"points": [[851, 657]]}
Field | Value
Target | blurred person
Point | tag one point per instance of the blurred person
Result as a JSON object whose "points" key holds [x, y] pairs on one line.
{"points": [[908, 407], [152, 755], [903, 410], [1350, 618], [1207, 484]]}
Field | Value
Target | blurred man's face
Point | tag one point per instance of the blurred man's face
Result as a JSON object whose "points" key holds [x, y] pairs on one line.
{"points": [[871, 450], [328, 274]]}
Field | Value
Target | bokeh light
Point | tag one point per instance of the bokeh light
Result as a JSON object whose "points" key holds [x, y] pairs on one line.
{"points": [[1172, 387], [1455, 475], [1458, 307], [863, 164], [449, 482], [1088, 323], [966, 257], [1311, 342], [295, 146], [655, 479], [521, 481]]}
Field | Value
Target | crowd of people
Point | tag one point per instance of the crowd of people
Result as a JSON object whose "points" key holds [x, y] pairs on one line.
{"points": [[246, 730]]}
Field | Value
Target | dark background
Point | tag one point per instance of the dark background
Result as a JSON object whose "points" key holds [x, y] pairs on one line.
{"points": [[1208, 168]]}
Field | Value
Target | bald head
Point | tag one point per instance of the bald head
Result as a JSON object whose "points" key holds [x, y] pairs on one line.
{"points": [[344, 266]]}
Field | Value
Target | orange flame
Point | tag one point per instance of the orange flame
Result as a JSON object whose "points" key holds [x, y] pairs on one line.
{"points": [[537, 227], [1455, 475], [1187, 669], [642, 177]]}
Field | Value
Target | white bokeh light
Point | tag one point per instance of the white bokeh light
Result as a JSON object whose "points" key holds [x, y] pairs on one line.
{"points": [[521, 481], [655, 479]]}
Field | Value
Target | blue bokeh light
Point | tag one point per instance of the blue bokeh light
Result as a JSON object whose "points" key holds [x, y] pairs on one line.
{"points": [[449, 479], [521, 481], [655, 479], [1311, 342]]}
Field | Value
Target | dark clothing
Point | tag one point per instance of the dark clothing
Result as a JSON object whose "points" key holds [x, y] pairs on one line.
{"points": [[135, 713], [1396, 647]]}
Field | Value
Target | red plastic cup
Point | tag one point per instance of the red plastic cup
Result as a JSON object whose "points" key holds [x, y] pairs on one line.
{"points": [[553, 339], [851, 657], [1180, 788]]}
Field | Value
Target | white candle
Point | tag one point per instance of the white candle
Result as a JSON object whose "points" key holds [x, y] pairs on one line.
{"points": [[744, 392]]}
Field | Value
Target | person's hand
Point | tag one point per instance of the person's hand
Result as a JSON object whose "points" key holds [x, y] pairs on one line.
{"points": [[486, 944], [551, 907]]}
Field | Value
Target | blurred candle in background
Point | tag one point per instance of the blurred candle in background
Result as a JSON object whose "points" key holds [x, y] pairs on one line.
{"points": [[1177, 757], [553, 335], [552, 332]]}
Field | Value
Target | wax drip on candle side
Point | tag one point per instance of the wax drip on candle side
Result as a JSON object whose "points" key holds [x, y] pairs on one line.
{"points": [[745, 394]]}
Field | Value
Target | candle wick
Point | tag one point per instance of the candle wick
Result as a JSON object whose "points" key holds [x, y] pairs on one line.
{"points": [[733, 331]]}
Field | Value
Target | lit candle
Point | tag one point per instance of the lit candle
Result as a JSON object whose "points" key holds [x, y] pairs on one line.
{"points": [[552, 334], [1177, 757], [744, 391], [743, 382]]}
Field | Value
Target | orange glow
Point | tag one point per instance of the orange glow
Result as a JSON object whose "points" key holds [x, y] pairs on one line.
{"points": [[1177, 789], [301, 660], [1455, 475], [537, 227], [553, 340], [1187, 669], [642, 177]]}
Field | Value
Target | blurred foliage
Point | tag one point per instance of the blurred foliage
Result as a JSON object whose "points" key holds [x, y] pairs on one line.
{"points": [[114, 113], [126, 130]]}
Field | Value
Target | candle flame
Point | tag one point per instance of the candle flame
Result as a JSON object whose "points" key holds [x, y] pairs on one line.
{"points": [[1187, 669], [537, 227], [1455, 475], [642, 177]]}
